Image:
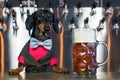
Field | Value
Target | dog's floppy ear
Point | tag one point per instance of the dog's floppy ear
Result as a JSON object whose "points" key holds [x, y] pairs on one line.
{"points": [[29, 22], [55, 24]]}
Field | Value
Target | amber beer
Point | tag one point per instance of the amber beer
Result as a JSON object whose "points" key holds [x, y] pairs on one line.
{"points": [[84, 58], [84, 51]]}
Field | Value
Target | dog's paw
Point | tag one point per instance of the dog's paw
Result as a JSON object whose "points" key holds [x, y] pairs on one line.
{"points": [[16, 71], [13, 72], [60, 70]]}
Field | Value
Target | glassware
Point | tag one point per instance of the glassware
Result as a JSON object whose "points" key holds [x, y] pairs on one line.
{"points": [[84, 51]]}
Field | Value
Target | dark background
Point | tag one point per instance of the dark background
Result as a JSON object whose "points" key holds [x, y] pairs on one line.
{"points": [[85, 3]]}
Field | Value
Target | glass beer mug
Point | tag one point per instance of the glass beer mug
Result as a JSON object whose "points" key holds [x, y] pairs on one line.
{"points": [[84, 48]]}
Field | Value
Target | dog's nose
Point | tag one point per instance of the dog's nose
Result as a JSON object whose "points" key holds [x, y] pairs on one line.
{"points": [[47, 28]]}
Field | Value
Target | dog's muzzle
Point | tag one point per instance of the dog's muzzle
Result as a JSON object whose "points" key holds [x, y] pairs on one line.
{"points": [[47, 28], [47, 22]]}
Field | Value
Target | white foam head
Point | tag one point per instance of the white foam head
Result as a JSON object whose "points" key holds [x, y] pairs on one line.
{"points": [[83, 35]]}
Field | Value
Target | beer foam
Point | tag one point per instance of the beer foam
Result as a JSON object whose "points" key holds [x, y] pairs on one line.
{"points": [[84, 35]]}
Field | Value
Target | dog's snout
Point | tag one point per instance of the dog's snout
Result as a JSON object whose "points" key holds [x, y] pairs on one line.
{"points": [[47, 28]]}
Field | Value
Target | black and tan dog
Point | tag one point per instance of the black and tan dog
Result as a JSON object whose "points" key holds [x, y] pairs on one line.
{"points": [[36, 54]]}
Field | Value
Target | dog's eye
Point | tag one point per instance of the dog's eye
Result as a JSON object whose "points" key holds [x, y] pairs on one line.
{"points": [[49, 18], [48, 15], [39, 19]]}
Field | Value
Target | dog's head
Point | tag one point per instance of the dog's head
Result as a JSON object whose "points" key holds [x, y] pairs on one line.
{"points": [[41, 22]]}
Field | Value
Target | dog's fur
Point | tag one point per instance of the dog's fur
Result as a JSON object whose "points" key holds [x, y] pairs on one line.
{"points": [[41, 23]]}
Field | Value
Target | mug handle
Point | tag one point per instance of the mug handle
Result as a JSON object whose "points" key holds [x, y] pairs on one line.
{"points": [[107, 54]]}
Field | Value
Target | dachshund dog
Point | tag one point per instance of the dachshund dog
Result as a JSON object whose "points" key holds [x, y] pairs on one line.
{"points": [[36, 55]]}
